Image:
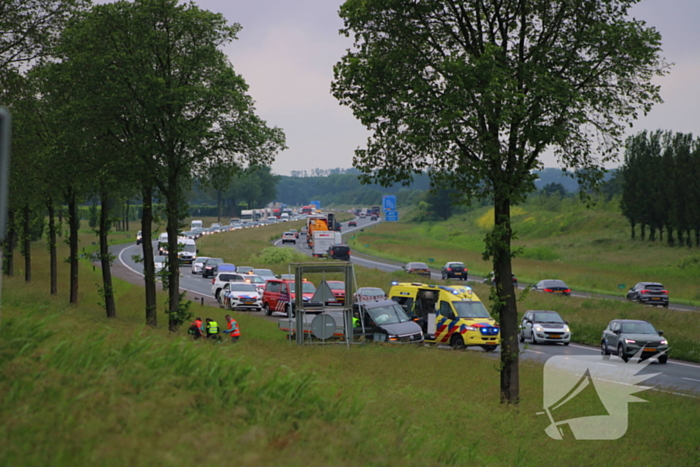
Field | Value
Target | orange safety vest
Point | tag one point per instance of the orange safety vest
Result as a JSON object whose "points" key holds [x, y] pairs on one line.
{"points": [[233, 327]]}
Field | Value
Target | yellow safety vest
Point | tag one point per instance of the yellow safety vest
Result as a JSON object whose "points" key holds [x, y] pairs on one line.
{"points": [[212, 327]]}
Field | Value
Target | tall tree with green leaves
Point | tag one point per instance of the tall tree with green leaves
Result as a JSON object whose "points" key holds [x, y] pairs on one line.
{"points": [[154, 74], [477, 90]]}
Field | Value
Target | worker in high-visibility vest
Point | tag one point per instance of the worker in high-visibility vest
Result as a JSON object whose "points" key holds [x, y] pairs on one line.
{"points": [[212, 329], [233, 329]]}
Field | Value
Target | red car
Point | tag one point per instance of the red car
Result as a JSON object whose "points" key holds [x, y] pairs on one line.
{"points": [[279, 295], [338, 289], [352, 224]]}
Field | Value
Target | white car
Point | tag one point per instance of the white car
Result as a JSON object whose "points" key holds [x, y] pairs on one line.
{"points": [[198, 264], [159, 262], [241, 296], [257, 281], [222, 279]]}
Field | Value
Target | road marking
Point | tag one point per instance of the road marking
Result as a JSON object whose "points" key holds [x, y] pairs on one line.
{"points": [[690, 379], [607, 364]]}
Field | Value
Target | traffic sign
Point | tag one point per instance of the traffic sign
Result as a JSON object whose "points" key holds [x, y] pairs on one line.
{"points": [[389, 202], [391, 216]]}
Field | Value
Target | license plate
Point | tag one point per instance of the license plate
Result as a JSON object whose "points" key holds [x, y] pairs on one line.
{"points": [[458, 274], [557, 291], [555, 336], [649, 349], [655, 298]]}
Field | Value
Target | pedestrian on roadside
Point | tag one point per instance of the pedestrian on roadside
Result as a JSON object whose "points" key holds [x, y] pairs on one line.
{"points": [[212, 329], [196, 329], [233, 328]]}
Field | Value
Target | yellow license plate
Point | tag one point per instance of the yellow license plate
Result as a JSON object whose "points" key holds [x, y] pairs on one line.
{"points": [[655, 298], [555, 336], [649, 349]]}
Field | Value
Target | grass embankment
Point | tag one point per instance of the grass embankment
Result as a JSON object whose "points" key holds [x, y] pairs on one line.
{"points": [[80, 389]]}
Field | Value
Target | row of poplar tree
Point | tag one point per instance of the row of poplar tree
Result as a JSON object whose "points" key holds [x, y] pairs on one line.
{"points": [[661, 186]]}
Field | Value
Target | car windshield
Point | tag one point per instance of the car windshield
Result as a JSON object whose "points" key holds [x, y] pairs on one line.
{"points": [[418, 265], [202, 259], [371, 292], [255, 279], [638, 328], [390, 314], [455, 265], [470, 309], [306, 287], [336, 285], [548, 318], [213, 261], [242, 287], [189, 248], [554, 283], [159, 259], [653, 286]]}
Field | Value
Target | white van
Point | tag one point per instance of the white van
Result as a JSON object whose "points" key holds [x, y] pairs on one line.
{"points": [[196, 225], [163, 243], [187, 250]]}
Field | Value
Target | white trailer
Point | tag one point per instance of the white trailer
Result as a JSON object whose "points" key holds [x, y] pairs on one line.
{"points": [[323, 240]]}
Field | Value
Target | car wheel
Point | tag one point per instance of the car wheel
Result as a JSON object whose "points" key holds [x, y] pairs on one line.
{"points": [[639, 300], [443, 276], [663, 359], [456, 341], [489, 348], [604, 348], [521, 336], [268, 311], [566, 343], [666, 305], [533, 339], [621, 353]]}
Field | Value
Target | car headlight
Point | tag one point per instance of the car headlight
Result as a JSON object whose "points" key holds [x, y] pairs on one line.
{"points": [[539, 329], [664, 342], [630, 341], [470, 328], [566, 329]]}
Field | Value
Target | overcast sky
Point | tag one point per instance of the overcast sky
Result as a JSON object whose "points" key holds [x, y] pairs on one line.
{"points": [[287, 49]]}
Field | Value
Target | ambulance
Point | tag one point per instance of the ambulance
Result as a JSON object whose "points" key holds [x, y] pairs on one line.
{"points": [[448, 315]]}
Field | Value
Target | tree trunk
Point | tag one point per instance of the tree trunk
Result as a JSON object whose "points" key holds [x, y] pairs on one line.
{"points": [[9, 245], [73, 226], [633, 233], [53, 263], [173, 261], [126, 217], [60, 221], [149, 275], [661, 234], [643, 231], [505, 305], [669, 236], [688, 238], [27, 244], [105, 260], [652, 233]]}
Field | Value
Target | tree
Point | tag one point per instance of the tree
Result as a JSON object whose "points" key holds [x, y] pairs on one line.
{"points": [[154, 77], [477, 90]]}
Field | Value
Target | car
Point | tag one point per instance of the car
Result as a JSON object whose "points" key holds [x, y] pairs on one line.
{"points": [[257, 281], [198, 264], [286, 276], [490, 279], [210, 266], [352, 224], [651, 293], [221, 279], [540, 326], [289, 237], [627, 337], [304, 231], [245, 269], [225, 267], [369, 293], [266, 274], [373, 218], [241, 296], [338, 289], [139, 237], [279, 295], [421, 269], [295, 232], [554, 286], [384, 321], [454, 269], [339, 251], [160, 262]]}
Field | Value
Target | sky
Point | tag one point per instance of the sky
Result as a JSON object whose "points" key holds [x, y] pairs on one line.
{"points": [[287, 49]]}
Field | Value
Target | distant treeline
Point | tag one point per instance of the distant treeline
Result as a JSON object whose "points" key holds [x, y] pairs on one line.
{"points": [[661, 186]]}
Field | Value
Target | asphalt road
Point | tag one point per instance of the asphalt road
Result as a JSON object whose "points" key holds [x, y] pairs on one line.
{"points": [[675, 376]]}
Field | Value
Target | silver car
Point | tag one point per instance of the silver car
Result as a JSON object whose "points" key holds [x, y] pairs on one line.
{"points": [[198, 264], [540, 326]]}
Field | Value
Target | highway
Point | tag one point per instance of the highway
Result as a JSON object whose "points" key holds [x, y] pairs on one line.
{"points": [[674, 377]]}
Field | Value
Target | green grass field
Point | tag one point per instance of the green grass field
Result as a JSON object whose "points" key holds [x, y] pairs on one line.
{"points": [[79, 389]]}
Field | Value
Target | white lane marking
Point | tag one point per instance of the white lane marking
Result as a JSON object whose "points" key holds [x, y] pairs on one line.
{"points": [[533, 351], [690, 379], [607, 364]]}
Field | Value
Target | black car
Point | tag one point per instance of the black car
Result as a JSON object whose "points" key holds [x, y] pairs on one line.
{"points": [[385, 321], [627, 337], [339, 251], [373, 218], [209, 268], [454, 269], [554, 286], [651, 293]]}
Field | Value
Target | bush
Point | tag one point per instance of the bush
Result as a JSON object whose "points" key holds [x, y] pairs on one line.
{"points": [[540, 253], [272, 255]]}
